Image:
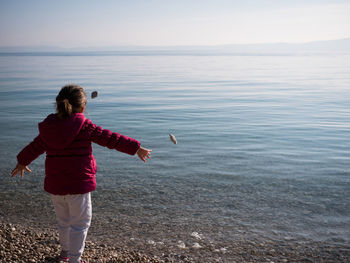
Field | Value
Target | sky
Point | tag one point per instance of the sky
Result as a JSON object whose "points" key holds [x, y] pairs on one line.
{"points": [[88, 23]]}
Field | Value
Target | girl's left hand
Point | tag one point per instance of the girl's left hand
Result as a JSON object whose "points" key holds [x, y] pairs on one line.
{"points": [[20, 169], [144, 153]]}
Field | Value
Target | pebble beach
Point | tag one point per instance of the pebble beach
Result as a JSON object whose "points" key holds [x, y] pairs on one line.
{"points": [[19, 244], [27, 244], [28, 234]]}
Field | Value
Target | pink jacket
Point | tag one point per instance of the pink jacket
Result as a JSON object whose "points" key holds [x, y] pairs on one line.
{"points": [[70, 167]]}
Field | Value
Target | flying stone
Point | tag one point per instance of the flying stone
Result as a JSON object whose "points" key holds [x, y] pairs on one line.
{"points": [[94, 94], [172, 138]]}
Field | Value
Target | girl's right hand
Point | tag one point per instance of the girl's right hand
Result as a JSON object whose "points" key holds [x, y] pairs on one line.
{"points": [[144, 153], [20, 169]]}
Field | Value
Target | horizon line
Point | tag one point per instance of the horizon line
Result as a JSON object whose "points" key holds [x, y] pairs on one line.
{"points": [[170, 46]]}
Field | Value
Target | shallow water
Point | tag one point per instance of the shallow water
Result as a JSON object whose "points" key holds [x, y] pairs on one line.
{"points": [[263, 141]]}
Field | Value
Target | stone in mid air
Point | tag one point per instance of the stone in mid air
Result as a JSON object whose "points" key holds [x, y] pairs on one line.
{"points": [[172, 138], [94, 94]]}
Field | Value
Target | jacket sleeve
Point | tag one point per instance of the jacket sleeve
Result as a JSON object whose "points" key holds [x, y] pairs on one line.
{"points": [[31, 151], [112, 140]]}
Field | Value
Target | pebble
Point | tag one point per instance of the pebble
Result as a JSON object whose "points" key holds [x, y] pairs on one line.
{"points": [[196, 245], [223, 250], [151, 242], [196, 235], [181, 244]]}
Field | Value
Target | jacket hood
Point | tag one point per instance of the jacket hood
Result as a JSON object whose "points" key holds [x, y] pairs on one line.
{"points": [[58, 133]]}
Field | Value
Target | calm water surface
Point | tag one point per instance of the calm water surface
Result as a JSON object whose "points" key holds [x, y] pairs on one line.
{"points": [[263, 141]]}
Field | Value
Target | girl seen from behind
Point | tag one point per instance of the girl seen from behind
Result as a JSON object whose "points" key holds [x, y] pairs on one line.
{"points": [[70, 166]]}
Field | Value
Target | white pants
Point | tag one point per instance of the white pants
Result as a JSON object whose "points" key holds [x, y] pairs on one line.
{"points": [[73, 213]]}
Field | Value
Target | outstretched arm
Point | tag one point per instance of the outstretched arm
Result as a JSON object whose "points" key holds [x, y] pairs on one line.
{"points": [[27, 155], [20, 169], [31, 151], [112, 140], [144, 153]]}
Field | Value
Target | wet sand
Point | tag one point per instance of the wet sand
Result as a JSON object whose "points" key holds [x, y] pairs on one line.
{"points": [[28, 232]]}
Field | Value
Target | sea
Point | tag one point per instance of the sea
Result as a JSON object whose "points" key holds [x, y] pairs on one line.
{"points": [[263, 146]]}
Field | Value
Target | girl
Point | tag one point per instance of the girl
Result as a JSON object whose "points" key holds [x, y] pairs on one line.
{"points": [[70, 167]]}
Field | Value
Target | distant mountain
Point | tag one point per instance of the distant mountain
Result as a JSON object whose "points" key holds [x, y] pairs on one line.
{"points": [[340, 45], [328, 46]]}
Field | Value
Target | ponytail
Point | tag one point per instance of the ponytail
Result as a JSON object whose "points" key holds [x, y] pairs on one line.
{"points": [[64, 109], [70, 99]]}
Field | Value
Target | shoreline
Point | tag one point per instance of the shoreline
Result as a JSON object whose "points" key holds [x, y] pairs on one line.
{"points": [[22, 243], [121, 239]]}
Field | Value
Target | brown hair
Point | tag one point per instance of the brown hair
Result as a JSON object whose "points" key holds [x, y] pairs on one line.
{"points": [[71, 99]]}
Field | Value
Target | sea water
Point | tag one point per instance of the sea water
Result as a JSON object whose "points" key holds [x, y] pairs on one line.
{"points": [[263, 141]]}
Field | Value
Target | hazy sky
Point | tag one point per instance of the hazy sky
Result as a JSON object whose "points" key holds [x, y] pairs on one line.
{"points": [[87, 23]]}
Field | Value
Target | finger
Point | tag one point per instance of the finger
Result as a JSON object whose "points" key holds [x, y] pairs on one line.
{"points": [[141, 157], [14, 172], [21, 173], [27, 169]]}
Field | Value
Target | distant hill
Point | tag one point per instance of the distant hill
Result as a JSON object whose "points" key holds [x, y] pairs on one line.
{"points": [[328, 46], [340, 45]]}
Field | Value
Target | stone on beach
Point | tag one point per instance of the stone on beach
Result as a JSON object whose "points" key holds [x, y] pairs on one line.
{"points": [[196, 235], [181, 244], [196, 245]]}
